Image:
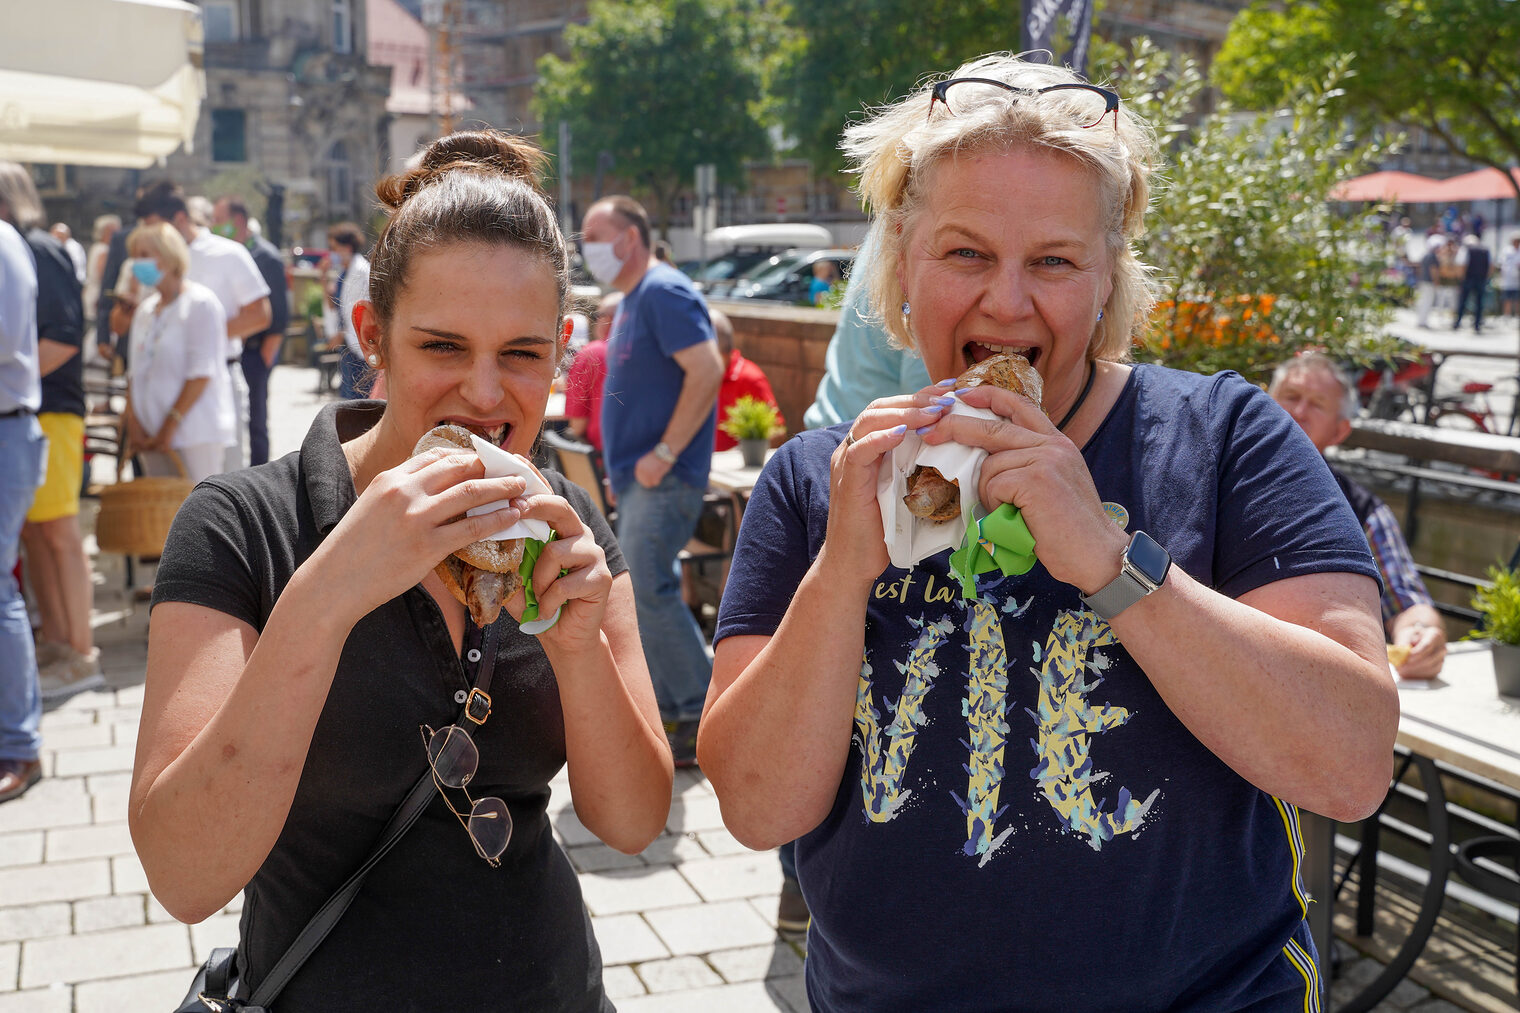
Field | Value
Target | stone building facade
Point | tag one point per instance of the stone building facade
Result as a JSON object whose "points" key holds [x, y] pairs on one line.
{"points": [[291, 103]]}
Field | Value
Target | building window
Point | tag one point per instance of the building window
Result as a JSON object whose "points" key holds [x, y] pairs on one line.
{"points": [[340, 184], [229, 135], [343, 26], [220, 21]]}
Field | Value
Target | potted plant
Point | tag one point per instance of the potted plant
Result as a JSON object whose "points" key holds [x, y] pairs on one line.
{"points": [[1499, 606], [752, 422]]}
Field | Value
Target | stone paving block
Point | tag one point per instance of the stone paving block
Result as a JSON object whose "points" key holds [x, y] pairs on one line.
{"points": [[677, 974], [599, 858], [751, 997], [703, 928], [672, 849], [157, 913], [218, 930], [690, 777], [622, 890], [748, 875], [790, 993], [124, 733], [1436, 1006], [757, 963], [1353, 978], [59, 999], [100, 840], [119, 783], [627, 939], [621, 983], [55, 719], [88, 701], [10, 964], [113, 715], [35, 921], [572, 832], [97, 955], [161, 990], [39, 810], [103, 913], [109, 808], [77, 736], [696, 813], [721, 842], [105, 760], [21, 849], [130, 696], [127, 875], [35, 884]]}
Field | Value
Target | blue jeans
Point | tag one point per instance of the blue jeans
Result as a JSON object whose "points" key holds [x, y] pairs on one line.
{"points": [[257, 375], [653, 526], [23, 465]]}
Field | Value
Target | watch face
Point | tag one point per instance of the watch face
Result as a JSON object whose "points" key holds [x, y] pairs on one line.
{"points": [[1147, 556]]}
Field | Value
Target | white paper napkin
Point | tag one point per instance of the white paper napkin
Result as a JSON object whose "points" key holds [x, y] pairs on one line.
{"points": [[910, 538], [500, 464]]}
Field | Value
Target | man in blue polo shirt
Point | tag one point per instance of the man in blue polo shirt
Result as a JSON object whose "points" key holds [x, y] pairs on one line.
{"points": [[658, 424]]}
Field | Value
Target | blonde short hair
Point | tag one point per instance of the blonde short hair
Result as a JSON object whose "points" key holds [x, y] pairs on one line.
{"points": [[161, 240], [897, 150]]}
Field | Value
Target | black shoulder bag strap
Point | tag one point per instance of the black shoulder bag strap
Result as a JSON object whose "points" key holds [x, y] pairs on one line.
{"points": [[419, 798]]}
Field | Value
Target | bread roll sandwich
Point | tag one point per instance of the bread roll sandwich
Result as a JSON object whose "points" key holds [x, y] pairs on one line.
{"points": [[929, 494]]}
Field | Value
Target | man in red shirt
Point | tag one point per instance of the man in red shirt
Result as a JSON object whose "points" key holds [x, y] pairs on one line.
{"points": [[588, 374], [740, 377]]}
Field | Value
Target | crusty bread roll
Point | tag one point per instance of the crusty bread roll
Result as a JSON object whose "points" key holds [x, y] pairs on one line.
{"points": [[930, 495], [483, 574]]}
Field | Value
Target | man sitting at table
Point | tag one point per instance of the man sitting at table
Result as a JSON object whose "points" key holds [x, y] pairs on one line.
{"points": [[740, 378], [1322, 400]]}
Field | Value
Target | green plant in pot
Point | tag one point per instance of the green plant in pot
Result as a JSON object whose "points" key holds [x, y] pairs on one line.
{"points": [[752, 422], [1499, 606]]}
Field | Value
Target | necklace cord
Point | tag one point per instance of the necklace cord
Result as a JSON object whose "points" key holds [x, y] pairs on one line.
{"points": [[1092, 374]]}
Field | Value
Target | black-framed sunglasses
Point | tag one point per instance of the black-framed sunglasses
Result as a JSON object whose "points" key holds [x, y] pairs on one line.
{"points": [[1087, 103], [454, 759]]}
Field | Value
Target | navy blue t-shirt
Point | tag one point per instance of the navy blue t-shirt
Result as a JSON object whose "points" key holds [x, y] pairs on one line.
{"points": [[663, 315], [1023, 823]]}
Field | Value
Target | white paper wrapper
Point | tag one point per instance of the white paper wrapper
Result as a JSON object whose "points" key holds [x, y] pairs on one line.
{"points": [[909, 538], [500, 464]]}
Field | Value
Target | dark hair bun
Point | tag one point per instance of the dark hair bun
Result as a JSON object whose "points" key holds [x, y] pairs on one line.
{"points": [[481, 151]]}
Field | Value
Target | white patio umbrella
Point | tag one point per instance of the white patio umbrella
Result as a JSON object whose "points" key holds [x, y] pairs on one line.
{"points": [[98, 82]]}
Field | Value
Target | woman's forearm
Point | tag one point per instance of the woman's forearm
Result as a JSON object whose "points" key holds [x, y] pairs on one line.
{"points": [[206, 813], [1296, 705], [781, 710]]}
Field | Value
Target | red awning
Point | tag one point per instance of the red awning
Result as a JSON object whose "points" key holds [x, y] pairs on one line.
{"points": [[1398, 187], [1484, 184]]}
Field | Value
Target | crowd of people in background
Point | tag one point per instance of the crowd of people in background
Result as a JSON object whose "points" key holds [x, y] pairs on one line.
{"points": [[1449, 267]]}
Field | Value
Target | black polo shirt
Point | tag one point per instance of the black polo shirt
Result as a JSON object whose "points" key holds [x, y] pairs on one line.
{"points": [[60, 318], [434, 927]]}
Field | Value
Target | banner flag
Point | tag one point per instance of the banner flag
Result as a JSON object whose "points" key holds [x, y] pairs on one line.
{"points": [[1050, 23]]}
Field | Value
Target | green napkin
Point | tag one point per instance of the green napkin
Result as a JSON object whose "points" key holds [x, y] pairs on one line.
{"points": [[999, 541]]}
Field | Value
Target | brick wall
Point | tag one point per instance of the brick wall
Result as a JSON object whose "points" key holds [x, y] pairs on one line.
{"points": [[788, 342]]}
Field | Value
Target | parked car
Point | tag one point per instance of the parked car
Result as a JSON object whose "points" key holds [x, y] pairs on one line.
{"points": [[734, 249], [787, 277]]}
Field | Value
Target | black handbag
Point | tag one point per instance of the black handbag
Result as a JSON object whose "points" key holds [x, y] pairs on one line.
{"points": [[215, 987]]}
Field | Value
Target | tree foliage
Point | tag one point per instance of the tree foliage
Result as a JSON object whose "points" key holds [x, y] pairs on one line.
{"points": [[1253, 263], [1450, 67], [844, 56], [662, 86]]}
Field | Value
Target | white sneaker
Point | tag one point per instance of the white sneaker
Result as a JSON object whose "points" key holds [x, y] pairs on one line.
{"points": [[73, 674], [49, 651]]}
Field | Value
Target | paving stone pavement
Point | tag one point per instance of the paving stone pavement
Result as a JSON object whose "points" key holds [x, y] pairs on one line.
{"points": [[688, 925]]}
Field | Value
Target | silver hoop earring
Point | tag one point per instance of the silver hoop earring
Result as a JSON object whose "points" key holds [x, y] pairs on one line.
{"points": [[906, 309], [373, 360]]}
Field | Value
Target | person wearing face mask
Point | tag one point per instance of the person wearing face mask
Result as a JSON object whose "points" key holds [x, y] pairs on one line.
{"points": [[229, 219], [658, 421], [347, 243], [179, 396]]}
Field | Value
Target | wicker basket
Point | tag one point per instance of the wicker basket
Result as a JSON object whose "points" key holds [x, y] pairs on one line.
{"points": [[135, 516]]}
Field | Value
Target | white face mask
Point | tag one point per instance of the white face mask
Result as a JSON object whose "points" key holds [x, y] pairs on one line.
{"points": [[602, 262]]}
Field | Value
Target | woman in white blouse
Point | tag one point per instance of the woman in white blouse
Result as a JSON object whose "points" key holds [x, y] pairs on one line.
{"points": [[179, 396]]}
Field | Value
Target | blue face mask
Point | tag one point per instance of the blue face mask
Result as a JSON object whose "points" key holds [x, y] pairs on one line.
{"points": [[146, 271]]}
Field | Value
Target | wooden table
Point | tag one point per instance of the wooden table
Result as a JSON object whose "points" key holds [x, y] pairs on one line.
{"points": [[730, 476], [1485, 451], [1461, 720]]}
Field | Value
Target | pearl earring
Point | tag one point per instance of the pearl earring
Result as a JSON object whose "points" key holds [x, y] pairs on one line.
{"points": [[373, 360], [906, 309]]}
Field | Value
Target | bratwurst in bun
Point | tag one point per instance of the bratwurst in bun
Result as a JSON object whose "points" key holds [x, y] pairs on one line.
{"points": [[483, 574], [930, 495]]}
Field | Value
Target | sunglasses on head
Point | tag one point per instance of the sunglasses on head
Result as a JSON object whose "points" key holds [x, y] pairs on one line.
{"points": [[1087, 103]]}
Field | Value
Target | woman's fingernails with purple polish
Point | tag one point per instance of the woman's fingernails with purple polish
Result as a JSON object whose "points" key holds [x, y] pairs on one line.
{"points": [[898, 430], [958, 393], [951, 382], [921, 430], [934, 409], [944, 402]]}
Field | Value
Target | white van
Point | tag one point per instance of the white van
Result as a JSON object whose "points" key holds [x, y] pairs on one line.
{"points": [[733, 249]]}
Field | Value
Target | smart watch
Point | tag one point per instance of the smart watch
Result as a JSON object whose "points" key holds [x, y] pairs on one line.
{"points": [[1143, 570], [663, 452]]}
